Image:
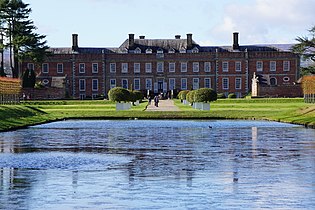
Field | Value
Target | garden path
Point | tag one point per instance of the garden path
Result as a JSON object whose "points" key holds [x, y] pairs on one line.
{"points": [[164, 105]]}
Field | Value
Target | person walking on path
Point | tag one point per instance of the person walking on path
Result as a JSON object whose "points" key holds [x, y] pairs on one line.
{"points": [[156, 101]]}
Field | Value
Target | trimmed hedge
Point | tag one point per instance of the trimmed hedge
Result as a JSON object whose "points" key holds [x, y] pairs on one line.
{"points": [[205, 95], [119, 94], [182, 94], [190, 97]]}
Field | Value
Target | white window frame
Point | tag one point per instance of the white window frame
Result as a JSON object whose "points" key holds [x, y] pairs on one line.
{"points": [[273, 65], [45, 70], [225, 66], [183, 67], [59, 68], [238, 66], [82, 84], [148, 84], [148, 51], [112, 67], [238, 83], [195, 50], [195, 66], [196, 83], [207, 67], [286, 65], [136, 67], [94, 67], [171, 67], [160, 67], [81, 68], [148, 67], [124, 68], [94, 82], [122, 83], [183, 83], [172, 84], [112, 83], [225, 83], [136, 84], [259, 65], [205, 82]]}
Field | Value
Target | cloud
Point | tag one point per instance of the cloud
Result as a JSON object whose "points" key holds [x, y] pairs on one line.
{"points": [[263, 21]]}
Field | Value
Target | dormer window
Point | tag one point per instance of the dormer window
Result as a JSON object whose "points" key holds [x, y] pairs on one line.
{"points": [[182, 50], [195, 50], [171, 50], [148, 51], [159, 51], [137, 50]]}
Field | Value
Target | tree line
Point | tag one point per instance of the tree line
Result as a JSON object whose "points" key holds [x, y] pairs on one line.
{"points": [[18, 35]]}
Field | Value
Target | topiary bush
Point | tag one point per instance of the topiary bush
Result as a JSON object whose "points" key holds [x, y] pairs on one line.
{"points": [[205, 95], [138, 95], [232, 95], [119, 94], [182, 94], [190, 97]]}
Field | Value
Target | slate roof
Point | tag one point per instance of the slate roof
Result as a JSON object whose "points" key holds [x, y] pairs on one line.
{"points": [[158, 44], [172, 45]]}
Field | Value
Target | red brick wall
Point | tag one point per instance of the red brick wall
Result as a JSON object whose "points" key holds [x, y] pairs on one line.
{"points": [[281, 91], [43, 93]]}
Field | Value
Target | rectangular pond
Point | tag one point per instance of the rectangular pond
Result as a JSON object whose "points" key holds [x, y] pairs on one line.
{"points": [[158, 164]]}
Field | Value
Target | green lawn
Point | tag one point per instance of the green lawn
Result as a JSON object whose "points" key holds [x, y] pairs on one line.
{"points": [[35, 112]]}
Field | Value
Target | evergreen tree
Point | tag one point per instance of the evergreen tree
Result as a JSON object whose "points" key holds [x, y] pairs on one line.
{"points": [[28, 78], [23, 41], [306, 48]]}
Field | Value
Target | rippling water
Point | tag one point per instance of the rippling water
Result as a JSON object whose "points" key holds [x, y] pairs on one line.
{"points": [[158, 164]]}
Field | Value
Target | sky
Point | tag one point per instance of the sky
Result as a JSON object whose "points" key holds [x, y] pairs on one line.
{"points": [[107, 23]]}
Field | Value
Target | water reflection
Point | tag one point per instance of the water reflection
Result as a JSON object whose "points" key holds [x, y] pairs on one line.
{"points": [[158, 164]]}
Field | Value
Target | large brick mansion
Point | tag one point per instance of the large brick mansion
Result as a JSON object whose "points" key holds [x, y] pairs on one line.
{"points": [[167, 65]]}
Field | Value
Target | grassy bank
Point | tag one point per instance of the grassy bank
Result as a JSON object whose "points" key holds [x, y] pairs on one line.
{"points": [[35, 112]]}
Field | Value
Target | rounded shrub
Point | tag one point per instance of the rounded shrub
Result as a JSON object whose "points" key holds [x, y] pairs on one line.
{"points": [[182, 94], [205, 95], [119, 94], [138, 95], [232, 95], [221, 96], [190, 97]]}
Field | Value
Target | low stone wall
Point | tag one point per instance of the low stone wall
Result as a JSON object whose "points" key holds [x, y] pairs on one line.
{"points": [[43, 93]]}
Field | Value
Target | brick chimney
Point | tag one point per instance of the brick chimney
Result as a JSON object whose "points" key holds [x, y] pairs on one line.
{"points": [[189, 41], [236, 46], [131, 41], [75, 45], [141, 37], [177, 36]]}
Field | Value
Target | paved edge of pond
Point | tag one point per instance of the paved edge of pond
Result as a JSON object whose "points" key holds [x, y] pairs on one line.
{"points": [[164, 105]]}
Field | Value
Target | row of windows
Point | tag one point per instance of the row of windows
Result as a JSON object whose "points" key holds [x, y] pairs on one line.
{"points": [[60, 68], [272, 66], [160, 67], [82, 84], [159, 51], [172, 85]]}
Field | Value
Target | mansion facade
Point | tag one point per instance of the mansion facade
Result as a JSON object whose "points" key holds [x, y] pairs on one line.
{"points": [[165, 66]]}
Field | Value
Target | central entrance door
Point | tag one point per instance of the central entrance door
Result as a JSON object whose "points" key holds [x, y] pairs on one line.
{"points": [[160, 85]]}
